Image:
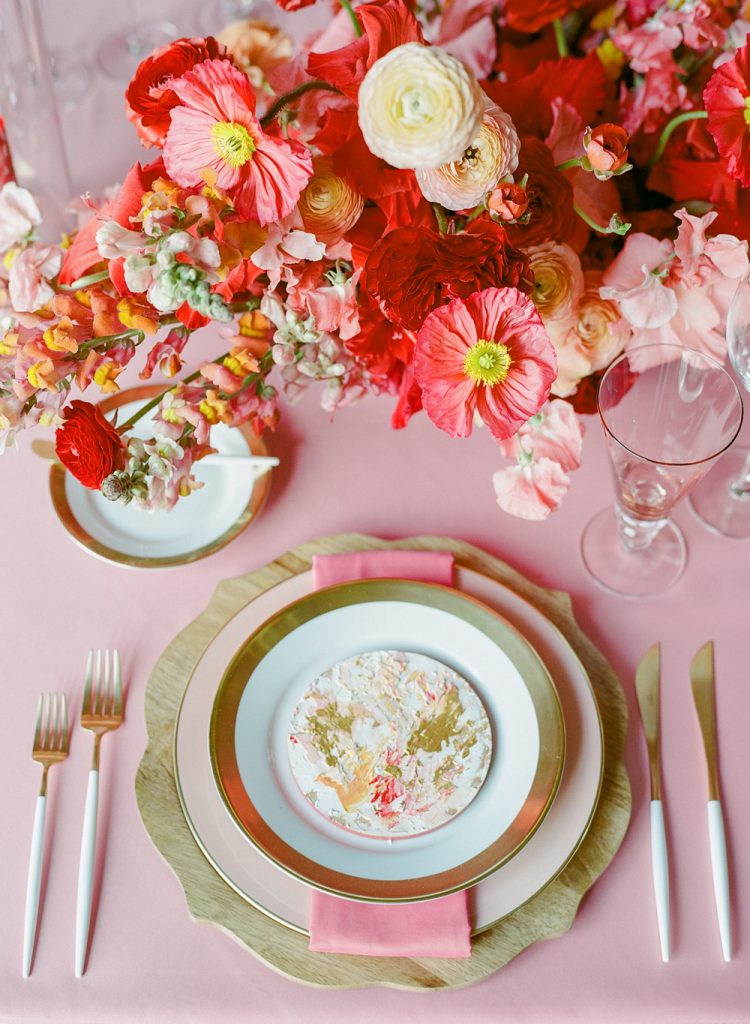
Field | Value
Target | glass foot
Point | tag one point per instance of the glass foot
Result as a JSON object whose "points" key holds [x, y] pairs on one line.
{"points": [[120, 53], [632, 573], [715, 503]]}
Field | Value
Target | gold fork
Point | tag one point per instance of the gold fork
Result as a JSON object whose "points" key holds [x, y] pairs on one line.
{"points": [[101, 712], [51, 740]]}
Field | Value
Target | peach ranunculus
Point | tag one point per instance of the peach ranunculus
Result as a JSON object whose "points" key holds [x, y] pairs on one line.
{"points": [[508, 202], [491, 156], [606, 150], [257, 47], [601, 331], [329, 207], [558, 280], [419, 107]]}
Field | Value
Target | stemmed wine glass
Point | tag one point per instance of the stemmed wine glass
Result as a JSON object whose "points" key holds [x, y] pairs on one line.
{"points": [[723, 499], [668, 413], [120, 52]]}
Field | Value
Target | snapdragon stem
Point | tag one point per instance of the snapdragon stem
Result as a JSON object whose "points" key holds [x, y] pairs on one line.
{"points": [[350, 11], [84, 282], [562, 42], [155, 401], [688, 115], [293, 94]]}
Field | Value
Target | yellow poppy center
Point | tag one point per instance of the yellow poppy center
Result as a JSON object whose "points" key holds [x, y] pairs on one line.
{"points": [[233, 142], [487, 362], [747, 111]]}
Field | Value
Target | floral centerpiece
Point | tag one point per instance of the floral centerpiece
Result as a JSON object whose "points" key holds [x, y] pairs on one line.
{"points": [[471, 208]]}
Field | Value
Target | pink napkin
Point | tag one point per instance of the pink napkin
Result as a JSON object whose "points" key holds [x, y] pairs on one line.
{"points": [[439, 927]]}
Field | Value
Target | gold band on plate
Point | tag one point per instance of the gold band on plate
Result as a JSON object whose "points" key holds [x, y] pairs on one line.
{"points": [[256, 501], [539, 685]]}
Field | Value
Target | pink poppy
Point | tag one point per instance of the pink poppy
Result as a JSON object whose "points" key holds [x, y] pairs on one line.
{"points": [[488, 354], [215, 137]]}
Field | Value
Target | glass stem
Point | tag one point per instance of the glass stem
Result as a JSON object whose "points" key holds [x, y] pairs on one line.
{"points": [[637, 534], [740, 488]]}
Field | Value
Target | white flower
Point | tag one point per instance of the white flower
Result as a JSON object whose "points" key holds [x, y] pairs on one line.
{"points": [[113, 240], [19, 215], [206, 252], [419, 107], [179, 241], [163, 295], [491, 156], [139, 272]]}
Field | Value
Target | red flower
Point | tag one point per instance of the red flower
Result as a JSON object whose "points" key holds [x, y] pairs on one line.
{"points": [[294, 5], [413, 270], [550, 194], [530, 17], [489, 354], [386, 24], [727, 101], [87, 444], [149, 97]]}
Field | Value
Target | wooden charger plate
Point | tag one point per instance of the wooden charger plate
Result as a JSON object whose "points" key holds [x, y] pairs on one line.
{"points": [[210, 899]]}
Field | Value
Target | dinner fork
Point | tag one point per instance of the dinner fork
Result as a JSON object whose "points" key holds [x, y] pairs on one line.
{"points": [[51, 740], [101, 711]]}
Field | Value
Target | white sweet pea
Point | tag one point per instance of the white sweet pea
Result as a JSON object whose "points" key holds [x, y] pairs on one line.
{"points": [[19, 215], [139, 273], [113, 240], [419, 107]]}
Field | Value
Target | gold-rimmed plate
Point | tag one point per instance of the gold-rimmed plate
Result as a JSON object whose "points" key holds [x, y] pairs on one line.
{"points": [[267, 676], [202, 523]]}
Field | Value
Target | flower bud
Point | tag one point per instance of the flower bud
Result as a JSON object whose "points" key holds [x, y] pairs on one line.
{"points": [[606, 148], [509, 202]]}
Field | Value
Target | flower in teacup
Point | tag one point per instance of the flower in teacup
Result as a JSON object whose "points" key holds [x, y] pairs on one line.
{"points": [[491, 155], [19, 215], [488, 354], [419, 107]]}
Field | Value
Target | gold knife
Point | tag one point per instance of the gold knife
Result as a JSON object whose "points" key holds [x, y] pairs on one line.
{"points": [[702, 681], [647, 690]]}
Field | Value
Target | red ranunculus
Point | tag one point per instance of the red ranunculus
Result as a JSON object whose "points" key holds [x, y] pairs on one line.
{"points": [[530, 17], [87, 444], [550, 195], [412, 270], [727, 101], [149, 98], [386, 24]]}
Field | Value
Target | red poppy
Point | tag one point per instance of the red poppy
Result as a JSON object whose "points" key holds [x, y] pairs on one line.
{"points": [[413, 270], [727, 102], [87, 444], [149, 97]]}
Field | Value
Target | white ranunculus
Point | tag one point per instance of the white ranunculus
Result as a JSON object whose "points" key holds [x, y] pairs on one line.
{"points": [[19, 215], [419, 107], [491, 156]]}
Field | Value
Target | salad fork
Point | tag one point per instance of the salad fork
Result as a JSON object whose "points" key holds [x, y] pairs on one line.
{"points": [[51, 741], [101, 712]]}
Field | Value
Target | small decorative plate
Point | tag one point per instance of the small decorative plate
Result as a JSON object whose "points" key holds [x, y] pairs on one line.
{"points": [[198, 526], [255, 703]]}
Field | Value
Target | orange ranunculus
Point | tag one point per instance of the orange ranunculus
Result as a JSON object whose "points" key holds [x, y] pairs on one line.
{"points": [[509, 202], [149, 97], [607, 148]]}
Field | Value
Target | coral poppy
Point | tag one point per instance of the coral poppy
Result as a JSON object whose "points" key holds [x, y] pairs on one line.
{"points": [[488, 354], [727, 101], [215, 137]]}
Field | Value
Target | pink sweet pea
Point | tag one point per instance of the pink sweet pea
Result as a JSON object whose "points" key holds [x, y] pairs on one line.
{"points": [[533, 491], [335, 308], [215, 137], [30, 273], [635, 281]]}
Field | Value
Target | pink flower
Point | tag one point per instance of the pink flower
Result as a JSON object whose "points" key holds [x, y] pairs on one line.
{"points": [[19, 214], [32, 268], [555, 433], [335, 307], [701, 257], [635, 281], [215, 137], [488, 354], [533, 491]]}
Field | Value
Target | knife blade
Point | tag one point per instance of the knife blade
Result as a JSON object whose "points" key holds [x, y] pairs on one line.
{"points": [[647, 690], [702, 683]]}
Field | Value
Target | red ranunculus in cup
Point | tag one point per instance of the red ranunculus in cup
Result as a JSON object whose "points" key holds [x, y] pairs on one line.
{"points": [[149, 98], [87, 444]]}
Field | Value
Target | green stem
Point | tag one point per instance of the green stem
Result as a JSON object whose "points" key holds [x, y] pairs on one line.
{"points": [[108, 340], [689, 115], [602, 229], [84, 282], [350, 11], [575, 161], [562, 42], [291, 96], [440, 217], [155, 401]]}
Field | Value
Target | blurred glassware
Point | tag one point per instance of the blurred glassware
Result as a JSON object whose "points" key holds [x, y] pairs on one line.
{"points": [[29, 107], [71, 79], [668, 413], [212, 17], [120, 52], [722, 500]]}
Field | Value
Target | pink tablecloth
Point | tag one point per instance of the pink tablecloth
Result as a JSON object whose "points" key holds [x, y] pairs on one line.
{"points": [[149, 961]]}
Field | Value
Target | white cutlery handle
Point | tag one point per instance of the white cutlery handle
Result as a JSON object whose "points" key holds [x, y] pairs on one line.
{"points": [[720, 872], [86, 872], [33, 884], [660, 868]]}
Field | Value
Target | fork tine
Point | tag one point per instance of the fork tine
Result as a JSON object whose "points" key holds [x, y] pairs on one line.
{"points": [[86, 705], [64, 734], [38, 726], [118, 683], [52, 724], [96, 708], [107, 690]]}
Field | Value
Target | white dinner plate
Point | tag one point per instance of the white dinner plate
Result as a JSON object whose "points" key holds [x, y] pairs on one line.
{"points": [[200, 524], [285, 898], [263, 685]]}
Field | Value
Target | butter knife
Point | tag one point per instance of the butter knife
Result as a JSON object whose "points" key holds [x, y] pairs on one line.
{"points": [[647, 690], [702, 681]]}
